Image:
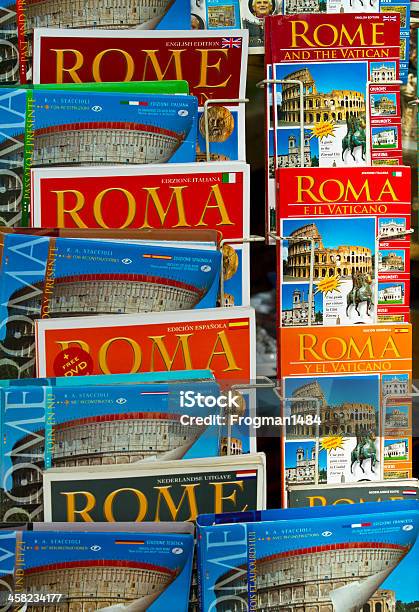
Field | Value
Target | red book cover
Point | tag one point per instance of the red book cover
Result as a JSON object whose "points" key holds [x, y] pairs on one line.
{"points": [[346, 68], [357, 224], [223, 339]]}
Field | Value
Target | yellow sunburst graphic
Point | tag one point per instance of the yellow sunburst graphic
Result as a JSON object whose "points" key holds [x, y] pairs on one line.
{"points": [[332, 443], [322, 129], [329, 284]]}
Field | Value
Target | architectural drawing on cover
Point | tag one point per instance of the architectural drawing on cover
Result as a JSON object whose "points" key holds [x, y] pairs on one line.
{"points": [[106, 142], [284, 582], [98, 583], [391, 227], [397, 384], [91, 14], [383, 73], [110, 439], [391, 294], [335, 105], [346, 418], [345, 260], [396, 450]]}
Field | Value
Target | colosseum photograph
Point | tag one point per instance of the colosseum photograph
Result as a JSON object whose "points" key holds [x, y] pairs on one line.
{"points": [[333, 255], [328, 96]]}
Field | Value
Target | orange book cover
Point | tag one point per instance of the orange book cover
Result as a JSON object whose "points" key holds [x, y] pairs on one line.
{"points": [[223, 339], [346, 405]]}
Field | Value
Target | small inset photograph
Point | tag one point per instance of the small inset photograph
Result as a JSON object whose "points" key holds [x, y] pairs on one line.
{"points": [[385, 137], [397, 417], [383, 72], [402, 10], [300, 462], [295, 309], [288, 150], [391, 260], [392, 228], [396, 450], [391, 293], [394, 386], [383, 105]]}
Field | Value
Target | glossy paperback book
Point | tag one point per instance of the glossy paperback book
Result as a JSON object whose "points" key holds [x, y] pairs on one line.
{"points": [[357, 226], [214, 65], [347, 404], [340, 558], [219, 339], [175, 491], [45, 278], [105, 571], [345, 68], [44, 427], [52, 127], [300, 496], [201, 196]]}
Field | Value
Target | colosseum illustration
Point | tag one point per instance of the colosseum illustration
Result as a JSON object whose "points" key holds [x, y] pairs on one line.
{"points": [[318, 579], [104, 142], [111, 439], [335, 105], [94, 584], [347, 418], [345, 260], [88, 294]]}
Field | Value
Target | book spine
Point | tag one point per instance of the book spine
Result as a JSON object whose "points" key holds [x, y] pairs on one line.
{"points": [[22, 44], [28, 157]]}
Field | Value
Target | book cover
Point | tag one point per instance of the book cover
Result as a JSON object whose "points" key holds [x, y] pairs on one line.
{"points": [[300, 496], [348, 66], [97, 127], [214, 65], [46, 427], [359, 6], [347, 404], [358, 224], [175, 491], [220, 339], [340, 558], [59, 277], [105, 571], [209, 196]]}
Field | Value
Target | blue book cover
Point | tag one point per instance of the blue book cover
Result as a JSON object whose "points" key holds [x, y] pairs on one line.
{"points": [[44, 277], [338, 558], [62, 427], [65, 128], [111, 379], [100, 571]]}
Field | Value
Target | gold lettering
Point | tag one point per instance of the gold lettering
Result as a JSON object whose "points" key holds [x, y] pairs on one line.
{"points": [[215, 193], [72, 71], [205, 67], [136, 351], [390, 347], [219, 498], [109, 501], [183, 344], [151, 57], [62, 211], [72, 513], [177, 195], [225, 351], [188, 492], [97, 207]]}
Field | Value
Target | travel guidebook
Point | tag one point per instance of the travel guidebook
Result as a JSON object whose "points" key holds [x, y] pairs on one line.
{"points": [[103, 570], [155, 491], [200, 196], [250, 15], [340, 558], [44, 277], [218, 339], [52, 127], [347, 405], [214, 65], [348, 66], [357, 225], [300, 496], [103, 425]]}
